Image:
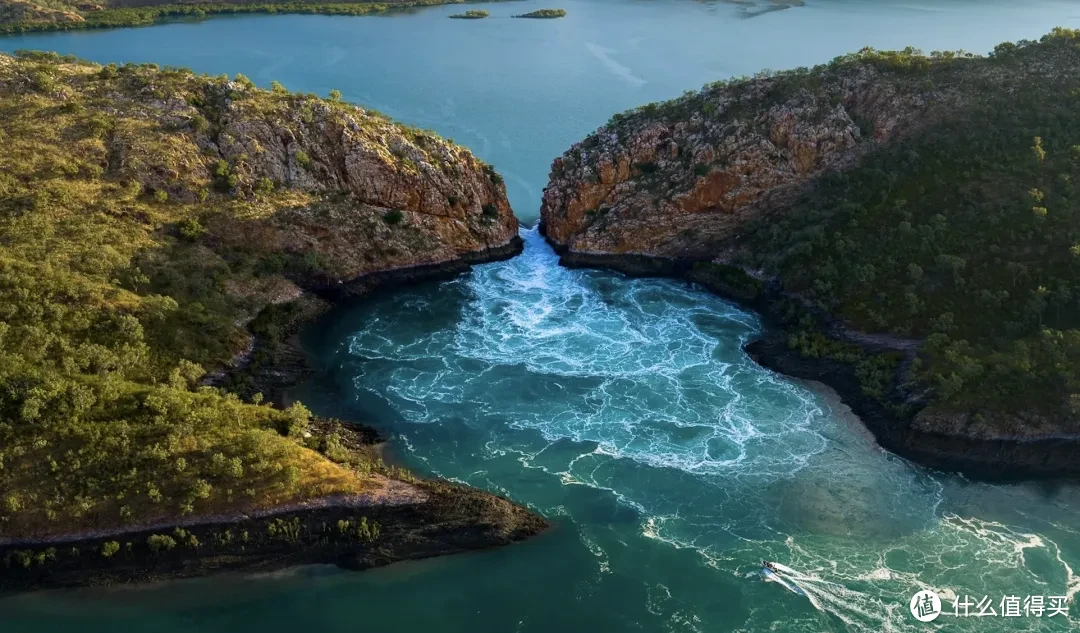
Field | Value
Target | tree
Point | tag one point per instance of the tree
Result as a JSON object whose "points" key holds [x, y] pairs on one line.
{"points": [[160, 543], [1037, 149], [297, 420], [200, 489], [264, 187]]}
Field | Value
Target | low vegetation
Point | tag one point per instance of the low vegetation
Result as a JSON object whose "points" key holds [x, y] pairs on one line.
{"points": [[21, 16], [966, 235], [121, 280], [544, 14], [963, 235], [470, 15]]}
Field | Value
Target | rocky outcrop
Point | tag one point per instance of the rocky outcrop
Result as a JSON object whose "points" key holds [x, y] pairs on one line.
{"points": [[691, 188], [213, 218], [371, 195], [680, 179], [27, 12], [339, 198]]}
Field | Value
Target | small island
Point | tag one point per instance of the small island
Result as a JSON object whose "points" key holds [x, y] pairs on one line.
{"points": [[547, 14], [470, 15]]}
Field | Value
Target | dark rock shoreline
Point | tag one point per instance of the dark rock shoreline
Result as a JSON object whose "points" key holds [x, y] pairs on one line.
{"points": [[291, 363], [978, 458], [452, 519]]}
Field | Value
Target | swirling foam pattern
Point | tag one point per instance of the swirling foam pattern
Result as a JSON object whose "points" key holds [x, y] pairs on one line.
{"points": [[535, 380], [623, 409]]}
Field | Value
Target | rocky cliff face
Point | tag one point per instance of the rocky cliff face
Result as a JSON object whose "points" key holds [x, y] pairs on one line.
{"points": [[864, 207], [308, 194], [159, 226], [360, 192], [680, 179]]}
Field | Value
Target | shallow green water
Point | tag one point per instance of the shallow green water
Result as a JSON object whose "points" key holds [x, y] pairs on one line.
{"points": [[623, 409]]}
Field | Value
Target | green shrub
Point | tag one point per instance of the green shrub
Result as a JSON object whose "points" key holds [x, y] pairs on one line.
{"points": [[492, 175], [470, 15], [199, 124], [160, 543], [543, 14], [190, 229], [284, 529], [23, 558], [264, 186], [186, 538]]}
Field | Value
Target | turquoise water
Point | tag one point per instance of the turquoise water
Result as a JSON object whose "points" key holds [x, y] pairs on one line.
{"points": [[520, 92], [623, 409], [670, 463]]}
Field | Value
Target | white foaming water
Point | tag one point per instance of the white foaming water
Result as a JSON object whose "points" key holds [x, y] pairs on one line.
{"points": [[628, 364], [638, 389]]}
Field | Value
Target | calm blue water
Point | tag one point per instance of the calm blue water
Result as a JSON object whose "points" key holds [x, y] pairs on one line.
{"points": [[520, 92], [623, 409]]}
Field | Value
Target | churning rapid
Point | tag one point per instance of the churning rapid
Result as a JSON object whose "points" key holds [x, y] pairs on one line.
{"points": [[622, 408], [535, 380], [671, 465]]}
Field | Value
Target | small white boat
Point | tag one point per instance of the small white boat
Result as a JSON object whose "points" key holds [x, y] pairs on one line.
{"points": [[772, 575]]}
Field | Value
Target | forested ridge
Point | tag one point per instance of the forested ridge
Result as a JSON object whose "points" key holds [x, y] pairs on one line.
{"points": [[965, 234], [931, 200], [137, 237]]}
